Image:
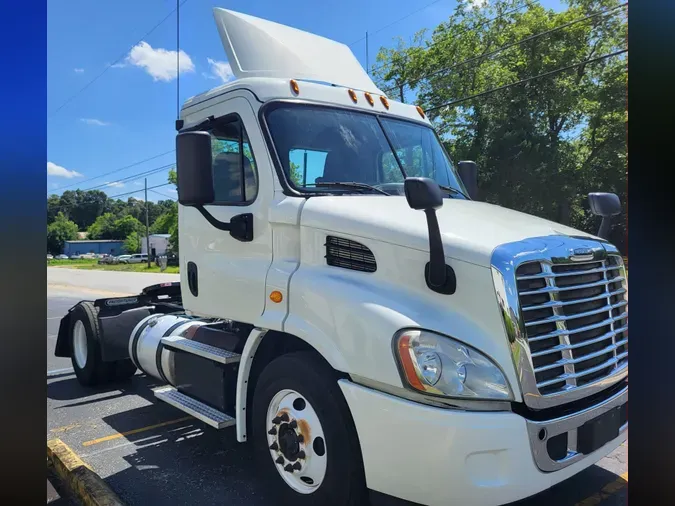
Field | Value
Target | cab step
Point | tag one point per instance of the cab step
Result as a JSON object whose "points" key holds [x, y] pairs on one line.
{"points": [[207, 414], [203, 350]]}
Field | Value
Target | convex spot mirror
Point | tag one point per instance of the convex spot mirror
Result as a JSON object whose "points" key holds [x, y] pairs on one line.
{"points": [[468, 172], [423, 193], [604, 204], [194, 168]]}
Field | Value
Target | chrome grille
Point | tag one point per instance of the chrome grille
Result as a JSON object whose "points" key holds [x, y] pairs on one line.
{"points": [[575, 320]]}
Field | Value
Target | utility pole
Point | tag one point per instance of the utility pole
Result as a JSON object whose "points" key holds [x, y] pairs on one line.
{"points": [[304, 169], [367, 66], [147, 224]]}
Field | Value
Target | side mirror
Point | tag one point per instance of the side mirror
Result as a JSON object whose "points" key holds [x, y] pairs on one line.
{"points": [[605, 205], [194, 167], [424, 194], [468, 171]]}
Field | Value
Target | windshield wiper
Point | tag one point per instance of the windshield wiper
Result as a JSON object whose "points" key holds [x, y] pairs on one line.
{"points": [[455, 191], [349, 184]]}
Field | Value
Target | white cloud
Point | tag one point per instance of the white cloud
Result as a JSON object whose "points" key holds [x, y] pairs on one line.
{"points": [[58, 171], [115, 184], [478, 4], [78, 71], [219, 70], [94, 122], [172, 190], [159, 63]]}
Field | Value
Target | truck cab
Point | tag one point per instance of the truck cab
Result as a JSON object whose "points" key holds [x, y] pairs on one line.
{"points": [[347, 304]]}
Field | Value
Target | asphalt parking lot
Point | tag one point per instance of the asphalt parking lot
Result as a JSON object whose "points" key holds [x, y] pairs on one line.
{"points": [[151, 453]]}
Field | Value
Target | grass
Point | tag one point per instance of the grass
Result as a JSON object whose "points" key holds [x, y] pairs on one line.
{"points": [[71, 263], [129, 268], [88, 264]]}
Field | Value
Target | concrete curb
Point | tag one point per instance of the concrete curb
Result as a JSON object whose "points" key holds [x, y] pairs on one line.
{"points": [[82, 481]]}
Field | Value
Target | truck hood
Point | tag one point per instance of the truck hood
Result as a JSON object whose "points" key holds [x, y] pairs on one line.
{"points": [[470, 230]]}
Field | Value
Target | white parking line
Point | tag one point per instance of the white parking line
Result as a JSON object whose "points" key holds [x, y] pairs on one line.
{"points": [[59, 372]]}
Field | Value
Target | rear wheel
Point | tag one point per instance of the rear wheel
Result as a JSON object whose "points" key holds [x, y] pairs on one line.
{"points": [[304, 435], [89, 367]]}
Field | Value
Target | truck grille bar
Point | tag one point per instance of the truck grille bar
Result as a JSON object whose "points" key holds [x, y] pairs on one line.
{"points": [[568, 333], [567, 320]]}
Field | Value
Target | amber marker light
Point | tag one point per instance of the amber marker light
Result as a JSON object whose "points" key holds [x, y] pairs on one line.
{"points": [[295, 87], [369, 98], [352, 95], [419, 110], [405, 352], [385, 102], [276, 296]]}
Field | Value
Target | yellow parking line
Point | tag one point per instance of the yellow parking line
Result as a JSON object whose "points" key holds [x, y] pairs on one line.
{"points": [[606, 491], [135, 431]]}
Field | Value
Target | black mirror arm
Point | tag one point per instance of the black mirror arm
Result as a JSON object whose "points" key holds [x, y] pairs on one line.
{"points": [[240, 226], [437, 275], [605, 225], [440, 277]]}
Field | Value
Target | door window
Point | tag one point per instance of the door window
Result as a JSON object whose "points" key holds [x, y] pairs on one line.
{"points": [[235, 175]]}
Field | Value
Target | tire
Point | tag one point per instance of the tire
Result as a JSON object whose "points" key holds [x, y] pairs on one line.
{"points": [[86, 357], [308, 376]]}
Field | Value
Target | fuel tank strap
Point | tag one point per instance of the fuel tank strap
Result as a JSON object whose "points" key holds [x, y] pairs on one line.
{"points": [[134, 344], [160, 348]]}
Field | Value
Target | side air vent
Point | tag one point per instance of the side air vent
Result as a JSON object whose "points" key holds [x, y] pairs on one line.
{"points": [[349, 255]]}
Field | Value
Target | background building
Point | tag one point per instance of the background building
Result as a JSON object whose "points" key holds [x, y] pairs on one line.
{"points": [[110, 247], [159, 244]]}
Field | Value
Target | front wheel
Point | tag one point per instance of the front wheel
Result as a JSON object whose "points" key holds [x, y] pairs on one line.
{"points": [[304, 435]]}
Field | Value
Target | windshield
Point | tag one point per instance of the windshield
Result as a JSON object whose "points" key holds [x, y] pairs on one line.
{"points": [[320, 146]]}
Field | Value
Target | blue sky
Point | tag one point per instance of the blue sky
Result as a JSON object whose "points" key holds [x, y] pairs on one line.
{"points": [[127, 115]]}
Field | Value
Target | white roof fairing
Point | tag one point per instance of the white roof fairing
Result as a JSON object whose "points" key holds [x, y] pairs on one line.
{"points": [[260, 48]]}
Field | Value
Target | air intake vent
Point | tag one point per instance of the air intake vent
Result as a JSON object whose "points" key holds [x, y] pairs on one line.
{"points": [[349, 255]]}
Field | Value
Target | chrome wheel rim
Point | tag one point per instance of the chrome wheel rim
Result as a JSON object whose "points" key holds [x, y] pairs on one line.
{"points": [[80, 344], [296, 441]]}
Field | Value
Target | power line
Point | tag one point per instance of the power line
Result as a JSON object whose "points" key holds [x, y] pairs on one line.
{"points": [[523, 81], [397, 21], [136, 191], [113, 171], [530, 3], [116, 61], [133, 177], [162, 194], [606, 12]]}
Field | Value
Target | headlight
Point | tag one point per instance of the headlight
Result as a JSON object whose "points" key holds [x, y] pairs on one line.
{"points": [[439, 365]]}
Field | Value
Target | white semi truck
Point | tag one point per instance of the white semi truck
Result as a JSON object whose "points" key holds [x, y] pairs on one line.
{"points": [[367, 326]]}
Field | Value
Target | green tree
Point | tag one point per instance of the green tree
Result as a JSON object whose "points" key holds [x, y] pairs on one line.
{"points": [[541, 146], [132, 243], [102, 228], [126, 226], [58, 232], [165, 221]]}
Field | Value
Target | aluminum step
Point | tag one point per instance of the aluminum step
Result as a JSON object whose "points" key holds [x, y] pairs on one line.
{"points": [[199, 410], [201, 349]]}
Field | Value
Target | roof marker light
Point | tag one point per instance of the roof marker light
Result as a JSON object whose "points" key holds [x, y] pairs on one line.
{"points": [[295, 87], [419, 110], [369, 98], [352, 96], [385, 102]]}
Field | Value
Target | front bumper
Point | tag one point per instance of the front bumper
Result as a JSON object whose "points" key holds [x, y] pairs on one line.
{"points": [[434, 456]]}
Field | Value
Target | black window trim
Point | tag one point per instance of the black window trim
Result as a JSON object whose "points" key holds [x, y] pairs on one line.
{"points": [[208, 125]]}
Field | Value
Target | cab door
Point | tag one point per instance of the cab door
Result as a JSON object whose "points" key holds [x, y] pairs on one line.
{"points": [[222, 275]]}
